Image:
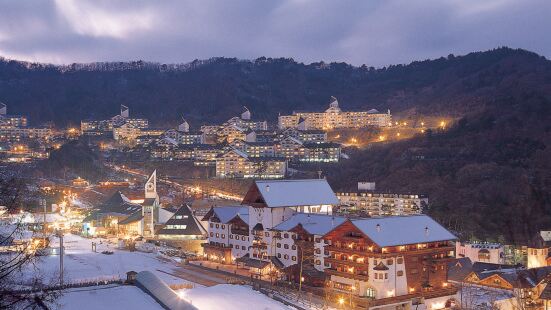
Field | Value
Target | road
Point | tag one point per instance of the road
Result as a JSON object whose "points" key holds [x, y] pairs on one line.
{"points": [[187, 188]]}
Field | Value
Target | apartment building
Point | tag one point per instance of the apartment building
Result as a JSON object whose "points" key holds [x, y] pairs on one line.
{"points": [[237, 164], [102, 127], [382, 204]]}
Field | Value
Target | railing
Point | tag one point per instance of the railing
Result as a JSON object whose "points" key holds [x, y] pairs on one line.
{"points": [[347, 275], [346, 262], [362, 250]]}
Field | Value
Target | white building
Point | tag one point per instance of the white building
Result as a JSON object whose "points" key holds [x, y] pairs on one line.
{"points": [[251, 234], [481, 252], [335, 118]]}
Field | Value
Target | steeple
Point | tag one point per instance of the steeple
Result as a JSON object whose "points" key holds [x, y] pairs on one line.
{"points": [[184, 126], [334, 103], [3, 108], [246, 115], [125, 111], [151, 186]]}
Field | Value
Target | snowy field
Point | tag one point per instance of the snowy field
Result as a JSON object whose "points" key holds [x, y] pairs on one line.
{"points": [[106, 297], [84, 265], [229, 297], [81, 264]]}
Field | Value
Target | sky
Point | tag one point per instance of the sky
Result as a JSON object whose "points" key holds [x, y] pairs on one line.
{"points": [[372, 32]]}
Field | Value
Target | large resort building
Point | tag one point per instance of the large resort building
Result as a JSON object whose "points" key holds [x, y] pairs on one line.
{"points": [[287, 230], [335, 118]]}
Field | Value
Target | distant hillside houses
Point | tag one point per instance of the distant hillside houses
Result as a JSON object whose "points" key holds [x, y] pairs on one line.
{"points": [[241, 148], [15, 128], [121, 126], [335, 118]]}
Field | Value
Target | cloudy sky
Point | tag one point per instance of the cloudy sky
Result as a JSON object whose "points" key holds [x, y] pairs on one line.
{"points": [[373, 32]]}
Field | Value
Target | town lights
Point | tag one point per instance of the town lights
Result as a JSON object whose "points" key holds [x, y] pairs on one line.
{"points": [[381, 138], [442, 124], [411, 289], [445, 284], [341, 301]]}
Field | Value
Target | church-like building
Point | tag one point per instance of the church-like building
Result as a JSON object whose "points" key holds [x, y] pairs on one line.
{"points": [[122, 217]]}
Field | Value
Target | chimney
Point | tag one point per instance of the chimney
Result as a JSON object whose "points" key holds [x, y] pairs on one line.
{"points": [[426, 230], [268, 188], [378, 227]]}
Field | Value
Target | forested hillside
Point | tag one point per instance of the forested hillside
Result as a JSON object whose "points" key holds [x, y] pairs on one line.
{"points": [[488, 176], [210, 91]]}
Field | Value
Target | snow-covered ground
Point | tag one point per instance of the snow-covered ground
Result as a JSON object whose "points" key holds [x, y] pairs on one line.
{"points": [[106, 297], [81, 264], [229, 297]]}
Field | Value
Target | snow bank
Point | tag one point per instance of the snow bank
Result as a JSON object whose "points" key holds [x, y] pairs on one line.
{"points": [[229, 297]]}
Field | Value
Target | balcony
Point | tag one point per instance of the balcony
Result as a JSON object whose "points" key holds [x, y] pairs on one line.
{"points": [[346, 275], [346, 262], [352, 250]]}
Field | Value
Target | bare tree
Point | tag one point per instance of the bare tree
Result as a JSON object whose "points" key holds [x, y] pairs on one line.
{"points": [[17, 289]]}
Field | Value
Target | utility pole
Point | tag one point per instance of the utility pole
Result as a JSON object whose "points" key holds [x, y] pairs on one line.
{"points": [[61, 252]]}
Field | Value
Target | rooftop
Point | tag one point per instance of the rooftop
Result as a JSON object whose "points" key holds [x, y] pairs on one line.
{"points": [[292, 193], [401, 230], [315, 224]]}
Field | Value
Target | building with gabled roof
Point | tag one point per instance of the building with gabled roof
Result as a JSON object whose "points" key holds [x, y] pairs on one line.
{"points": [[390, 261], [118, 215], [310, 195], [183, 225]]}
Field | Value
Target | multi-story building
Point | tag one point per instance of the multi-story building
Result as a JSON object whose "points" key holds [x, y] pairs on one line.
{"points": [[538, 250], [306, 136], [481, 252], [390, 262], [17, 134], [242, 123], [101, 127], [379, 204], [15, 128], [237, 164], [266, 205], [335, 118]]}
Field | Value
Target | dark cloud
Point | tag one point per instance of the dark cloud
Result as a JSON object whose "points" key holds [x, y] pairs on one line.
{"points": [[372, 32]]}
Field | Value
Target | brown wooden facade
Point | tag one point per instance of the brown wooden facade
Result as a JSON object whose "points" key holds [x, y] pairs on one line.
{"points": [[350, 251]]}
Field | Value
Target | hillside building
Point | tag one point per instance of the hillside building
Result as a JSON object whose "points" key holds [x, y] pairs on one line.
{"points": [[334, 118], [374, 203], [103, 127], [237, 164]]}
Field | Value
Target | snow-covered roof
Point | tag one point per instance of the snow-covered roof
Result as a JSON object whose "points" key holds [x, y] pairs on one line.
{"points": [[292, 193], [315, 224], [400, 230], [227, 213], [545, 235]]}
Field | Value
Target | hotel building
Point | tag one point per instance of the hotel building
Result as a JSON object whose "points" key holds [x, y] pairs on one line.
{"points": [[335, 118], [390, 262]]}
